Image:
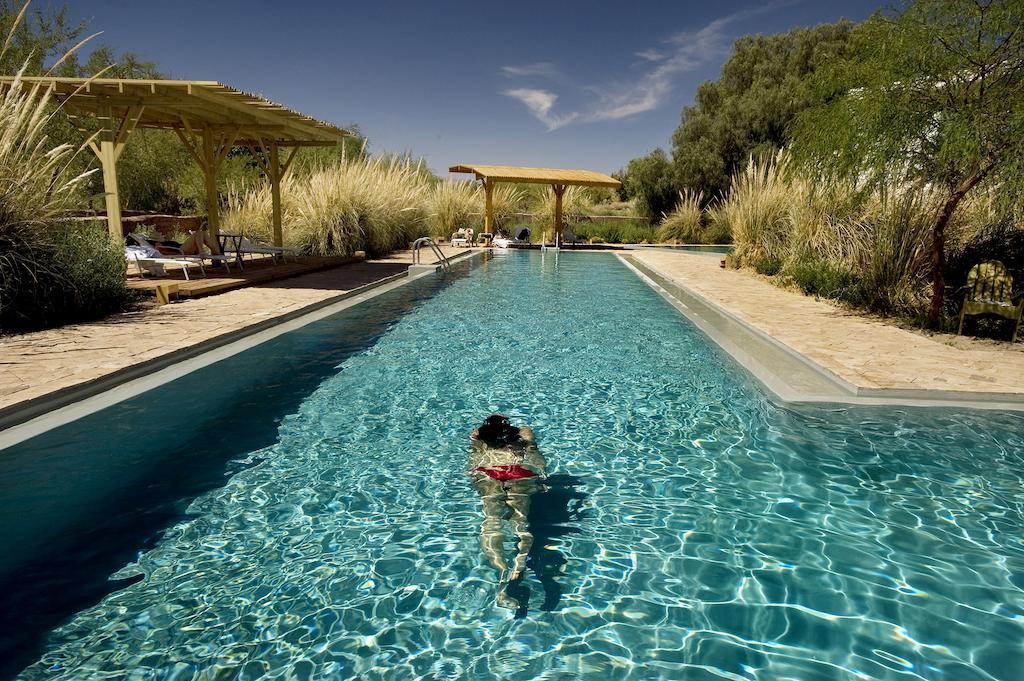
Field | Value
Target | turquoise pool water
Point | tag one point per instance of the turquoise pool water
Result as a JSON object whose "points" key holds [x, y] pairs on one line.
{"points": [[693, 528]]}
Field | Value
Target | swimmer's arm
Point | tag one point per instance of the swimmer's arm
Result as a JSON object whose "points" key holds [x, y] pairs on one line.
{"points": [[526, 434], [536, 461]]}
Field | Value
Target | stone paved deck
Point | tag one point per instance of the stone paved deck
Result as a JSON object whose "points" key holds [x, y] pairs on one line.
{"points": [[35, 364], [869, 353]]}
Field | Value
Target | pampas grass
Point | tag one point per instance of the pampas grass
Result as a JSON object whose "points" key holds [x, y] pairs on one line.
{"points": [[685, 224], [506, 201], [757, 209], [377, 205], [51, 270], [868, 246], [575, 204], [455, 206]]}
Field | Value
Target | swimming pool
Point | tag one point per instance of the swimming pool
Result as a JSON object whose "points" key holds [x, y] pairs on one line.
{"points": [[302, 509]]}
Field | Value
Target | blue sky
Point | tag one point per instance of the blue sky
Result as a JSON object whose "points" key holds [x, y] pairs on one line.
{"points": [[559, 83]]}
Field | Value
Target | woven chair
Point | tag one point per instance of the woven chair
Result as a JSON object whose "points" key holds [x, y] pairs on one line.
{"points": [[990, 292]]}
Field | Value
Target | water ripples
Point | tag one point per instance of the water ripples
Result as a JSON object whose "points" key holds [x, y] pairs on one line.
{"points": [[693, 529]]}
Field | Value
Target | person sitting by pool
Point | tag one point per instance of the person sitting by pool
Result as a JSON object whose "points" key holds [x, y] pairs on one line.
{"points": [[506, 468]]}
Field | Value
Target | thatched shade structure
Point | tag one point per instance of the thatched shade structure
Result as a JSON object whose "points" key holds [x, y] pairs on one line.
{"points": [[559, 179], [208, 117]]}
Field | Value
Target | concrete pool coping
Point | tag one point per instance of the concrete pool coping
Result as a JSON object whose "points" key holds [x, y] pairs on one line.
{"points": [[790, 375], [33, 417]]}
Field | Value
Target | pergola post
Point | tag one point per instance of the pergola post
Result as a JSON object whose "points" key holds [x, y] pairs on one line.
{"points": [[269, 158], [488, 207], [559, 190], [275, 194], [112, 138], [209, 166]]}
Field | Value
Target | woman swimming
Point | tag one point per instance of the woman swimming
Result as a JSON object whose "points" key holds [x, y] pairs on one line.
{"points": [[506, 468]]}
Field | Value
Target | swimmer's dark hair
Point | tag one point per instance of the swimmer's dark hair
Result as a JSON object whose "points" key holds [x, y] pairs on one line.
{"points": [[496, 430]]}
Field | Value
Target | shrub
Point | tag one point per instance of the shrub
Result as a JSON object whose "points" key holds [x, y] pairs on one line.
{"points": [[765, 264], [617, 232], [822, 278], [74, 273]]}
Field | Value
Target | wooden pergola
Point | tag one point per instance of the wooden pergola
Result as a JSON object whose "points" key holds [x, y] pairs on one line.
{"points": [[209, 118], [559, 179]]}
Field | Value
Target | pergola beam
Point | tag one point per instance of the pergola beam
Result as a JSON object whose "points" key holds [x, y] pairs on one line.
{"points": [[208, 118]]}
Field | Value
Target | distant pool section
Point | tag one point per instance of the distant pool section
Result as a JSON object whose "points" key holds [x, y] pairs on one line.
{"points": [[302, 509]]}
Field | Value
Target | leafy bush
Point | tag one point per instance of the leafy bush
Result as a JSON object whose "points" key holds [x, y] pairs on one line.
{"points": [[69, 273], [822, 278], [649, 181], [617, 232], [766, 265]]}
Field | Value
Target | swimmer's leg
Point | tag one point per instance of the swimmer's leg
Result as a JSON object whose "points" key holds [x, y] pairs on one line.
{"points": [[492, 536], [520, 505]]}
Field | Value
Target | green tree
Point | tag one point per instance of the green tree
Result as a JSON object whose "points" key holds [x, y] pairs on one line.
{"points": [[649, 181], [934, 95], [41, 38], [748, 109]]}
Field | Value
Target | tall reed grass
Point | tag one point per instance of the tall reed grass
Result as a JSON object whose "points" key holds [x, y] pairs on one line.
{"points": [[867, 246], [689, 223], [575, 204], [52, 270], [455, 206], [377, 205]]}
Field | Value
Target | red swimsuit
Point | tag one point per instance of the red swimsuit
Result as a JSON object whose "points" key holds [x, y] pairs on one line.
{"points": [[505, 473]]}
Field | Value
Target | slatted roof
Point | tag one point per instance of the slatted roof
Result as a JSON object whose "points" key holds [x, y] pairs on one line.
{"points": [[188, 105], [586, 178]]}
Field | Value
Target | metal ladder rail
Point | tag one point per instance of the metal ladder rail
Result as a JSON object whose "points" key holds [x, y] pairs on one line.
{"points": [[434, 247]]}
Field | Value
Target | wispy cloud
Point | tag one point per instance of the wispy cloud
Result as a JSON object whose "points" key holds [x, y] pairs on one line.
{"points": [[540, 103], [542, 68], [650, 55], [681, 53]]}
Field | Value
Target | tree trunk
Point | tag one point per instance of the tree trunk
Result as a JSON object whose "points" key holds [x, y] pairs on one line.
{"points": [[956, 195], [939, 258]]}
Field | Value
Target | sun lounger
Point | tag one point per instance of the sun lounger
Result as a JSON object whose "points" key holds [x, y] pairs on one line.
{"points": [[146, 261], [241, 246], [152, 250], [571, 239], [462, 237], [521, 238]]}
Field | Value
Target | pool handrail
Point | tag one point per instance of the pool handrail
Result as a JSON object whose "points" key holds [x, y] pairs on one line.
{"points": [[426, 240]]}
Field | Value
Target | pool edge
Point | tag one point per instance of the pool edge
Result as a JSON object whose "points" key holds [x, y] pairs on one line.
{"points": [[773, 363], [27, 419]]}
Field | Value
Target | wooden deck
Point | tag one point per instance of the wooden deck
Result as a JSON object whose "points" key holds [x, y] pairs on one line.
{"points": [[257, 271]]}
